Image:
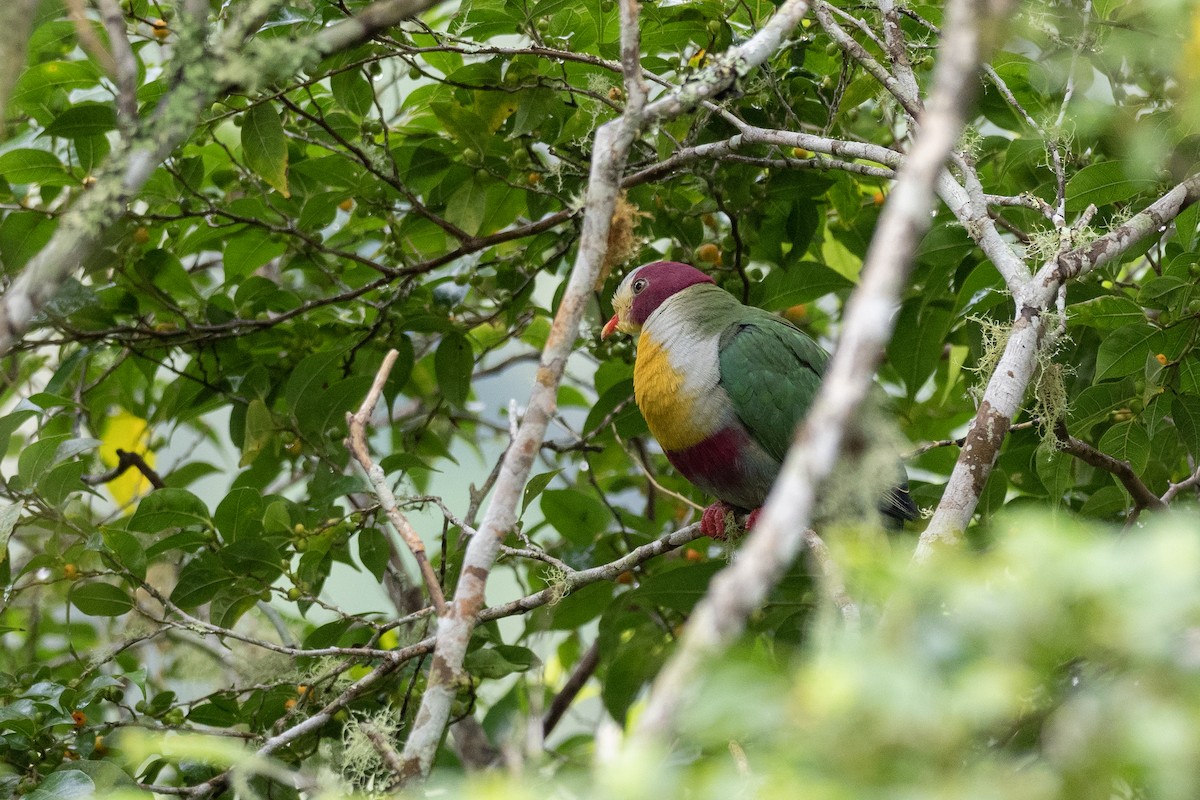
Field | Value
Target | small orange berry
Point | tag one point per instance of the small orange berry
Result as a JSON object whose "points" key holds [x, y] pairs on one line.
{"points": [[534, 178], [290, 703], [693, 555], [347, 204], [709, 253], [141, 235], [625, 578], [79, 718], [159, 28], [1162, 359], [800, 152], [877, 198], [797, 313], [70, 571]]}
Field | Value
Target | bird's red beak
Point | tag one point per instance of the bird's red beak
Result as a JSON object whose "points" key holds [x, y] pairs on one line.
{"points": [[610, 327]]}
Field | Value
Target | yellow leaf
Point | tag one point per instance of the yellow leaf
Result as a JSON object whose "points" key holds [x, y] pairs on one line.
{"points": [[128, 432]]}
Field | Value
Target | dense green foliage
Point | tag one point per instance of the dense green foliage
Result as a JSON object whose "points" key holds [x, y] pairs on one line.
{"points": [[422, 192]]}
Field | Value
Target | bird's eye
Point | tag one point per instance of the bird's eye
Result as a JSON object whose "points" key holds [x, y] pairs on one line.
{"points": [[639, 285]]}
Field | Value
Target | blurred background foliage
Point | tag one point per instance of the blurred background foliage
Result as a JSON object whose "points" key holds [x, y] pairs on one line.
{"points": [[422, 192]]}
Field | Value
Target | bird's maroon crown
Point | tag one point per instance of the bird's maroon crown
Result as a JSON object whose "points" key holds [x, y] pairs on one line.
{"points": [[663, 279]]}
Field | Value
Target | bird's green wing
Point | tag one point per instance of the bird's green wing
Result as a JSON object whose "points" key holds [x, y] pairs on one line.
{"points": [[771, 371]]}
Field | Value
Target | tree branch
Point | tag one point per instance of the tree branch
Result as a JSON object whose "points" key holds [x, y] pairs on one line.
{"points": [[775, 541], [610, 152], [356, 443], [1006, 388], [1141, 494]]}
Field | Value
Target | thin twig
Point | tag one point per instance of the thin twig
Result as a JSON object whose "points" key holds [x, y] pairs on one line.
{"points": [[584, 669], [356, 443]]}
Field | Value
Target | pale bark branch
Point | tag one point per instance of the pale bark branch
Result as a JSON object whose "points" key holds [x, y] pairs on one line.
{"points": [[898, 89], [831, 577], [124, 63], [356, 443], [1006, 388], [610, 152], [775, 541]]}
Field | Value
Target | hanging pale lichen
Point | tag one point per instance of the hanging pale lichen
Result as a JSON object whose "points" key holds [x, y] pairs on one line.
{"points": [[995, 339], [365, 740], [623, 244]]}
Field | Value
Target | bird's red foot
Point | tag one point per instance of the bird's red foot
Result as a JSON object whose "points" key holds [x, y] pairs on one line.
{"points": [[717, 519], [720, 522]]}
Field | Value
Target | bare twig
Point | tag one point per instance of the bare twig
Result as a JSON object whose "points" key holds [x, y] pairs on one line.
{"points": [[125, 461], [584, 669], [356, 443], [1122, 470], [124, 63], [832, 580]]}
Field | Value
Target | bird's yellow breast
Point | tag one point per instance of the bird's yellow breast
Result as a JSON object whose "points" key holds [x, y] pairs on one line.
{"points": [[661, 393]]}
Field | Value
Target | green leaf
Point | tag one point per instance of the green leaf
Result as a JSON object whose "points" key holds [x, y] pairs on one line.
{"points": [[454, 362], [535, 486], [1123, 352], [249, 250], [1094, 404], [1189, 375], [239, 514], [259, 431], [264, 146], [352, 91], [83, 120], [1102, 185], [26, 165], [920, 338], [374, 551], [1107, 312], [319, 414], [39, 81], [1185, 409], [578, 517], [69, 784], [1128, 441], [36, 460], [169, 508], [468, 205], [22, 236], [800, 283], [220, 711], [99, 599], [312, 375], [1056, 471], [498, 661], [199, 582], [127, 550], [9, 515], [256, 558], [62, 481]]}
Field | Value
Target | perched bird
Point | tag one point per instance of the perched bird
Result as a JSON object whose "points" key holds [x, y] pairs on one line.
{"points": [[722, 386]]}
